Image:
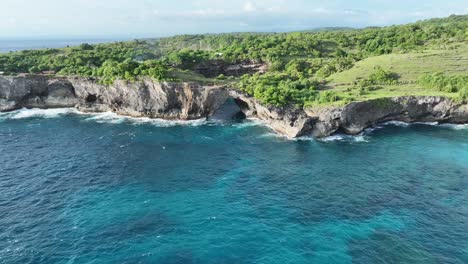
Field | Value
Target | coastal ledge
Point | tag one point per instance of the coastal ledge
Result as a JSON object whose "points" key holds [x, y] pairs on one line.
{"points": [[355, 117], [144, 98], [188, 101]]}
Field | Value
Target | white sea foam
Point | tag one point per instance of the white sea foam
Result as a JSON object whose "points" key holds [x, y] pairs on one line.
{"points": [[37, 113], [371, 130], [113, 118], [335, 137], [273, 134], [342, 137], [445, 125], [426, 123], [268, 135], [396, 123], [168, 123], [250, 122], [305, 138], [455, 126], [106, 117]]}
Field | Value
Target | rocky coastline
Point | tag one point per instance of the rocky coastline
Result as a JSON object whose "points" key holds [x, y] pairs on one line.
{"points": [[145, 98], [353, 118], [188, 101]]}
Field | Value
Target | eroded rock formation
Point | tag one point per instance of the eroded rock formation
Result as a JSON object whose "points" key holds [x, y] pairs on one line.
{"points": [[187, 101], [354, 117], [143, 98]]}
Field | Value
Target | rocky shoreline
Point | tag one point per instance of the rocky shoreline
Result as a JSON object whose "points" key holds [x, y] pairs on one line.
{"points": [[188, 101], [145, 98], [353, 118]]}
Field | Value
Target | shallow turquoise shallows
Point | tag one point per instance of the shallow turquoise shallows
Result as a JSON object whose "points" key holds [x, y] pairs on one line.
{"points": [[77, 188]]}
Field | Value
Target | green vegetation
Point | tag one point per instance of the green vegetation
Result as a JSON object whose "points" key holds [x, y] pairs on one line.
{"points": [[380, 77], [304, 68], [280, 89], [451, 84], [452, 60]]}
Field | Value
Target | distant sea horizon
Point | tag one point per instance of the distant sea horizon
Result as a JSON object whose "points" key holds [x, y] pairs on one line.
{"points": [[7, 45]]}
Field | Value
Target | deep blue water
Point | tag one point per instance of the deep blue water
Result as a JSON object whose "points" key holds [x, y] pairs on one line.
{"points": [[78, 188], [7, 45]]}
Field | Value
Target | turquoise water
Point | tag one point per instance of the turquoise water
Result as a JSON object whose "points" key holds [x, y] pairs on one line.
{"points": [[78, 188]]}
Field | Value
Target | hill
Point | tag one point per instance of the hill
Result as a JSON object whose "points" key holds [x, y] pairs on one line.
{"points": [[333, 66]]}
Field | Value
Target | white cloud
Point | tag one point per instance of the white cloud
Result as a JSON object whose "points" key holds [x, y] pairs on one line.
{"points": [[249, 7], [12, 21], [273, 9], [132, 17], [355, 12], [207, 12], [322, 10]]}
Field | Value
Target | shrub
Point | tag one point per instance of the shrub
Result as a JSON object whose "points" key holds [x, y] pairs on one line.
{"points": [[327, 97], [379, 77], [279, 89], [445, 83], [463, 95], [383, 77]]}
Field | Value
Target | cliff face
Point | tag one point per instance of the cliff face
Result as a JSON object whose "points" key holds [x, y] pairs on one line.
{"points": [[354, 117], [193, 101], [143, 98], [291, 122], [38, 91]]}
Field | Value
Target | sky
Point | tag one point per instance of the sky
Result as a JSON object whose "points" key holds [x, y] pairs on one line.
{"points": [[26, 19]]}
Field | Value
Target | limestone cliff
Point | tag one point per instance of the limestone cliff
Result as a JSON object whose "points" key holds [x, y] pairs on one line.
{"points": [[193, 101], [142, 98], [354, 117]]}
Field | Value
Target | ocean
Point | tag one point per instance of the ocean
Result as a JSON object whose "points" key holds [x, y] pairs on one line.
{"points": [[101, 188], [7, 45]]}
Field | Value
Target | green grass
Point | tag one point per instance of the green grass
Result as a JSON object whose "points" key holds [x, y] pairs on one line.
{"points": [[410, 66], [189, 76]]}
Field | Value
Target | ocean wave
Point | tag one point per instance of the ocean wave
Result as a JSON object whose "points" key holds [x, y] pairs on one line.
{"points": [[37, 113], [249, 122], [426, 123], [105, 117], [343, 137], [332, 138], [371, 130], [396, 123], [455, 126], [437, 124], [113, 118]]}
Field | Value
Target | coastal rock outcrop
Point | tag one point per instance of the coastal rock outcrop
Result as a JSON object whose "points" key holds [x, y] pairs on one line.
{"points": [[188, 101], [35, 92], [142, 98], [355, 117], [288, 121], [358, 116]]}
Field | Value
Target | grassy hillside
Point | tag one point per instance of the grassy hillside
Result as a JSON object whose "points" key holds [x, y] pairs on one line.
{"points": [[451, 60]]}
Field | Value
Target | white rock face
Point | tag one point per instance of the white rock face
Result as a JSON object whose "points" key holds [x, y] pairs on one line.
{"points": [[288, 121], [354, 117], [188, 101], [143, 98]]}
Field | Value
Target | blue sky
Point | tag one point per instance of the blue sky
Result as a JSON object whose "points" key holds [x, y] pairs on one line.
{"points": [[152, 18]]}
